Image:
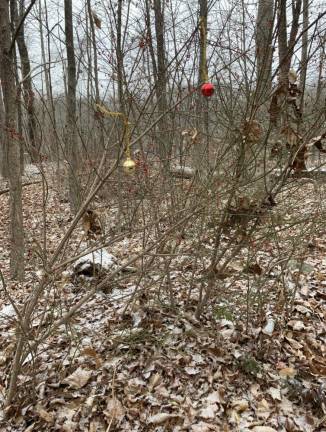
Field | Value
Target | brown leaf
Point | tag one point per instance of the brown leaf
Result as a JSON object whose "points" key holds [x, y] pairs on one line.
{"points": [[90, 352], [43, 414], [97, 20], [287, 372], [114, 410], [78, 379]]}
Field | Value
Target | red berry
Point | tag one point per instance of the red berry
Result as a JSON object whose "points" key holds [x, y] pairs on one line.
{"points": [[207, 89]]}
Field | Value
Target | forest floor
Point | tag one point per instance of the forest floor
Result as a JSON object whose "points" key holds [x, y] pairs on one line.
{"points": [[130, 360]]}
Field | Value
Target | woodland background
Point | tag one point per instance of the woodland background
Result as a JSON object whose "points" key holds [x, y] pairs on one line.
{"points": [[183, 290]]}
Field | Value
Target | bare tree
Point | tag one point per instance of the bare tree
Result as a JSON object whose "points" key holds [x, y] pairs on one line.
{"points": [[201, 151], [3, 143], [264, 50], [161, 80], [304, 52], [7, 74], [119, 49], [71, 133], [287, 46], [27, 85]]}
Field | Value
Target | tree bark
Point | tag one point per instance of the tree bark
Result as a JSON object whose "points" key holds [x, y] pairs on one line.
{"points": [[201, 150], [3, 141], [161, 82], [264, 50], [120, 74], [71, 137], [28, 94], [304, 52], [7, 75], [286, 47]]}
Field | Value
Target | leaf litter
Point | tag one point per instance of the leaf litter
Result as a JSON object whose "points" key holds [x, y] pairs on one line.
{"points": [[148, 368]]}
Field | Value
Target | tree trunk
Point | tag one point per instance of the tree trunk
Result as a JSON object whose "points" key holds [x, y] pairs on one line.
{"points": [[201, 150], [120, 74], [286, 48], [71, 137], [264, 50], [28, 94], [18, 94], [52, 137], [161, 82], [320, 82], [3, 141], [7, 75], [289, 110], [304, 51]]}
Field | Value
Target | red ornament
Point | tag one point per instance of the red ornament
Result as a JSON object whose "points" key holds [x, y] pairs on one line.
{"points": [[207, 89]]}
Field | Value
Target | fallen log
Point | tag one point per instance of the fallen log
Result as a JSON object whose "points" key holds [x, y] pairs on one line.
{"points": [[4, 191], [182, 171]]}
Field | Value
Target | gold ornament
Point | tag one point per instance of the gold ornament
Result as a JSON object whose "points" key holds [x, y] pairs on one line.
{"points": [[129, 165]]}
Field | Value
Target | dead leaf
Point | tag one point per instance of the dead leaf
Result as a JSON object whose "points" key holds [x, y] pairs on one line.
{"points": [[214, 397], [269, 327], [97, 20], [90, 352], [263, 410], [159, 418], [296, 325], [263, 429], [154, 381], [78, 379], [201, 427], [287, 372], [114, 409], [192, 371], [43, 414], [240, 405], [275, 393], [209, 412]]}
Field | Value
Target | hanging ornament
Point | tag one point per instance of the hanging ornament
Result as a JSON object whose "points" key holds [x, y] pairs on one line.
{"points": [[207, 89], [128, 165]]}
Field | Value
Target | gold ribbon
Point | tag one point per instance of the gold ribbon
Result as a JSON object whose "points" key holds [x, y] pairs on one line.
{"points": [[126, 123]]}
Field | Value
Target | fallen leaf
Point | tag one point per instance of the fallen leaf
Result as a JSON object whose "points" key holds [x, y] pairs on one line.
{"points": [[90, 352], [263, 429], [192, 371], [296, 325], [78, 379], [275, 393], [240, 405], [114, 409], [201, 427], [263, 410], [269, 327], [287, 372], [209, 412], [43, 414], [154, 381], [214, 397], [159, 418]]}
